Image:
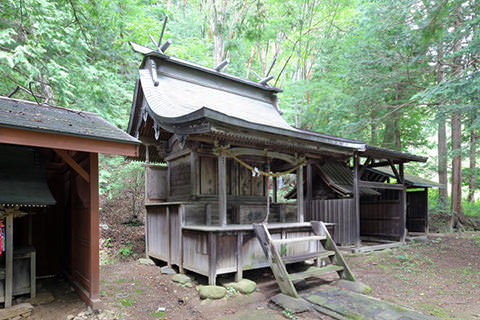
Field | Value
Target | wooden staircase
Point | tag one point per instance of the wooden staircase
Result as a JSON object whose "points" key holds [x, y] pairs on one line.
{"points": [[328, 252]]}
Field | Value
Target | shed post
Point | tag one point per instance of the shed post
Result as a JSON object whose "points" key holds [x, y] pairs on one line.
{"points": [[94, 230], [9, 262], [300, 200], [309, 191], [356, 198], [403, 203], [222, 190]]}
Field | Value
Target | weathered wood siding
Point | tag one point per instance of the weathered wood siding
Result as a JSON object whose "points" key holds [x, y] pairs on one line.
{"points": [[382, 216], [179, 178], [157, 232], [338, 211], [417, 211], [156, 183]]}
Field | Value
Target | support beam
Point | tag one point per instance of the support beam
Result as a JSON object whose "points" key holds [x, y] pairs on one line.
{"points": [[94, 232], [73, 164], [364, 167], [300, 196], [57, 141], [222, 190], [309, 190], [9, 262], [356, 198], [403, 198], [395, 172], [380, 185]]}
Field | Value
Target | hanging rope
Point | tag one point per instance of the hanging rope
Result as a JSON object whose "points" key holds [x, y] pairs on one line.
{"points": [[301, 163]]}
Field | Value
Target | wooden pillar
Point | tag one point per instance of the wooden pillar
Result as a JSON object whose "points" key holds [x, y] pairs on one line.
{"points": [[9, 262], [94, 230], [309, 190], [222, 190], [169, 237], [212, 258], [300, 200], [275, 190], [403, 200], [147, 161], [356, 198], [181, 221], [238, 251], [194, 177]]}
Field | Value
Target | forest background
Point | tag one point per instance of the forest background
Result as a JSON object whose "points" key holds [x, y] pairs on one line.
{"points": [[395, 73]]}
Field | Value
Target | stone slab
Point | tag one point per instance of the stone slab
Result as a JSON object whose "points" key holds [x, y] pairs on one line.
{"points": [[358, 306], [295, 305]]}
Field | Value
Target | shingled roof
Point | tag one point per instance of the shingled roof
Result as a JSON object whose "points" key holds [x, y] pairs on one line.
{"points": [[26, 115], [178, 94]]}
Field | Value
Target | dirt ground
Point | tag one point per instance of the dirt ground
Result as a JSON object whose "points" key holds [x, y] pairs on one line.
{"points": [[440, 277]]}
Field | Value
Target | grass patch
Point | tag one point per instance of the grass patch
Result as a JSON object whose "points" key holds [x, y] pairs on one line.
{"points": [[159, 314], [126, 302]]}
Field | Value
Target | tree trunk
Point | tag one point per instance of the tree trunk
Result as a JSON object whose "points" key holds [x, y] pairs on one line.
{"points": [[442, 162], [442, 142], [457, 213], [473, 160], [218, 10], [456, 168]]}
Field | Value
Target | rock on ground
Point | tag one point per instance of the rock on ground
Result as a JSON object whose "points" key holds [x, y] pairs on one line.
{"points": [[146, 261], [167, 270], [181, 278], [211, 292], [355, 286], [44, 297], [244, 286], [295, 305]]}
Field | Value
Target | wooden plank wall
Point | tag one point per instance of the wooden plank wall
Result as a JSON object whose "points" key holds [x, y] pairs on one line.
{"points": [[157, 231], [417, 211], [179, 177], [381, 216], [338, 211]]}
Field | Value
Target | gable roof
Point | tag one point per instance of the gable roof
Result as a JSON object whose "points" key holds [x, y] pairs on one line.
{"points": [[179, 94], [26, 115]]}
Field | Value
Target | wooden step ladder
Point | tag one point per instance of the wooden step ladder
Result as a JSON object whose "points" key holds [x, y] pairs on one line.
{"points": [[328, 252]]}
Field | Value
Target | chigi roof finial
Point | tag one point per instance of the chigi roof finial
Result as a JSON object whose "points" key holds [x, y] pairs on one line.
{"points": [[158, 44]]}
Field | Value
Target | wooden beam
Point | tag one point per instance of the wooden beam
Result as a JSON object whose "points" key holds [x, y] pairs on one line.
{"points": [[380, 185], [212, 258], [395, 172], [73, 164], [356, 198], [300, 195], [222, 190], [309, 189], [94, 231], [364, 167], [59, 141], [9, 262], [263, 153]]}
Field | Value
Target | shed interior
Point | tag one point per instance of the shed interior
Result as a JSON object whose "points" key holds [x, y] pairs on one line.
{"points": [[56, 232]]}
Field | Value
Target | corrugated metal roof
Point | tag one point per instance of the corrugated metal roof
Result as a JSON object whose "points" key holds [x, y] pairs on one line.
{"points": [[23, 177], [45, 118], [340, 178], [410, 179]]}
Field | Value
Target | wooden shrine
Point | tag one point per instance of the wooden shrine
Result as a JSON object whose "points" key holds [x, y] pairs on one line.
{"points": [[214, 146]]}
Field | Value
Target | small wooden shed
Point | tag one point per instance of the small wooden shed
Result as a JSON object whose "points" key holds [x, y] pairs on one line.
{"points": [[49, 171], [214, 145]]}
